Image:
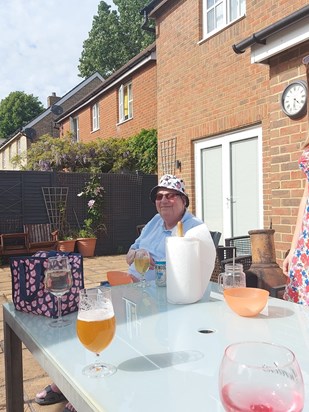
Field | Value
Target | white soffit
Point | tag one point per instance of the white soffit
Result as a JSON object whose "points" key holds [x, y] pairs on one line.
{"points": [[281, 41]]}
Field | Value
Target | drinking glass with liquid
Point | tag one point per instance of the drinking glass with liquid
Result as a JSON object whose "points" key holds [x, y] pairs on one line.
{"points": [[233, 277], [58, 281], [260, 377]]}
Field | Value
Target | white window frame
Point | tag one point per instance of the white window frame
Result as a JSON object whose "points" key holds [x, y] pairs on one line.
{"points": [[95, 117], [74, 128], [125, 108], [18, 147], [3, 160], [226, 17]]}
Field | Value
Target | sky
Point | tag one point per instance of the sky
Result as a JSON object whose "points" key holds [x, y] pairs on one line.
{"points": [[40, 45]]}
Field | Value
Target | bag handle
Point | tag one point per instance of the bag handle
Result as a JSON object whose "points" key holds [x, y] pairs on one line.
{"points": [[22, 281], [53, 253]]}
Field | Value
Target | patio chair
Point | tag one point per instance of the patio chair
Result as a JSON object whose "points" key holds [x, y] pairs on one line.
{"points": [[245, 260], [222, 252], [13, 244], [13, 241], [41, 236], [139, 229], [242, 244], [215, 237]]}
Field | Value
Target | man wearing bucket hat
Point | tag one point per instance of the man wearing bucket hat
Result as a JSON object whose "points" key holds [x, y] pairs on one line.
{"points": [[171, 201]]}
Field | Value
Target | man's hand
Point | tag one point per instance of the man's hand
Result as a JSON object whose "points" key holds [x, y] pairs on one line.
{"points": [[131, 255]]}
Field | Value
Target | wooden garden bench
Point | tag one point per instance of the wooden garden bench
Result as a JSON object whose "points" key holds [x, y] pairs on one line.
{"points": [[41, 237], [13, 244], [13, 240]]}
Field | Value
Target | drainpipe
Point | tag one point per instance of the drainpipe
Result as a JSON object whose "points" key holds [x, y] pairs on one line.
{"points": [[146, 23], [306, 63], [261, 36]]}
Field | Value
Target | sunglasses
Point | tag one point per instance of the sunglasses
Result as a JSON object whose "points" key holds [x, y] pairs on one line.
{"points": [[168, 196]]}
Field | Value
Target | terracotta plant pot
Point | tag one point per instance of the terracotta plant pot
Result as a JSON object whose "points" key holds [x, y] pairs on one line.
{"points": [[66, 245], [86, 246]]}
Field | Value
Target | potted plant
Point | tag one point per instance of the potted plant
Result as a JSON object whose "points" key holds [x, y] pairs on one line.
{"points": [[87, 234], [67, 244], [66, 239]]}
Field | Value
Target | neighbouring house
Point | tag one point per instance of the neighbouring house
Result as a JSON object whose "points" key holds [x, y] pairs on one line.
{"points": [[45, 123], [222, 72], [125, 103]]}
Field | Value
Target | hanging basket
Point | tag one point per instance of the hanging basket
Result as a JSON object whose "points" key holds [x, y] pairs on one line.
{"points": [[86, 246]]}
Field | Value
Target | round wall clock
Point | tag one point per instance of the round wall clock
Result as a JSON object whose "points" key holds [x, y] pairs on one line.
{"points": [[294, 99]]}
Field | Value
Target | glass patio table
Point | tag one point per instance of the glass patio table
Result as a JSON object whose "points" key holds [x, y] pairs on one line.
{"points": [[167, 355]]}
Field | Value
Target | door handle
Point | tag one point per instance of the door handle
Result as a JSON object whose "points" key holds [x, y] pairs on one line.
{"points": [[230, 199]]}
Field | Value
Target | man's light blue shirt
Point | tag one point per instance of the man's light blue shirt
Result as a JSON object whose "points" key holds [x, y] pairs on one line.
{"points": [[153, 238]]}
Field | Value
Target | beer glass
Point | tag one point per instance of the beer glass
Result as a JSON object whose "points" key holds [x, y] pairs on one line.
{"points": [[260, 376], [96, 327], [58, 281], [142, 263]]}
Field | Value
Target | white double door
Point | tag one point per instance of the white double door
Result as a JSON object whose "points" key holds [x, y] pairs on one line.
{"points": [[228, 182]]}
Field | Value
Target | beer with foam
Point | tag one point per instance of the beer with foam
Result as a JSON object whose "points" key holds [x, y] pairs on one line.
{"points": [[96, 328]]}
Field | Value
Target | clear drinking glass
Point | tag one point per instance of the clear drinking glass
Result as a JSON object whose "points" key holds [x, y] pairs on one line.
{"points": [[58, 281], [96, 326], [233, 277], [260, 377], [142, 263]]}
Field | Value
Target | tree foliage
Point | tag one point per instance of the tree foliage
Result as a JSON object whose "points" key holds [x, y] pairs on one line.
{"points": [[115, 37], [16, 110], [138, 152]]}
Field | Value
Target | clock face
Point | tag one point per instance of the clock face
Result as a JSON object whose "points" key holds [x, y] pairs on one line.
{"points": [[294, 99]]}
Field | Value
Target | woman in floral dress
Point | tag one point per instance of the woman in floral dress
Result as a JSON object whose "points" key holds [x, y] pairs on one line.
{"points": [[296, 264]]}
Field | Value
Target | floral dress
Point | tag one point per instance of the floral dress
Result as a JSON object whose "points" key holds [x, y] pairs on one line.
{"points": [[298, 288]]}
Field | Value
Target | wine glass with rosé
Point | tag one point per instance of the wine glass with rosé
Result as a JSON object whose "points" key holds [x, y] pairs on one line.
{"points": [[142, 263], [260, 377], [95, 327]]}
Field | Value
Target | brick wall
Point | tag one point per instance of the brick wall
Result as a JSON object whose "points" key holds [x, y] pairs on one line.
{"points": [[282, 147], [205, 89], [144, 109]]}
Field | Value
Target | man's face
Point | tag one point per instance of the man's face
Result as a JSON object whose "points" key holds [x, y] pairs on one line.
{"points": [[170, 204]]}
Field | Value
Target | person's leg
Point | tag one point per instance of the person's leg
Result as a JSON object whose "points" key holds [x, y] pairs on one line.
{"points": [[49, 395]]}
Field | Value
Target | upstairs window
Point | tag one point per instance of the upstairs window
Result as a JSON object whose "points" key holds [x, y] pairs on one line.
{"points": [[18, 149], [74, 128], [95, 117], [125, 102], [220, 13]]}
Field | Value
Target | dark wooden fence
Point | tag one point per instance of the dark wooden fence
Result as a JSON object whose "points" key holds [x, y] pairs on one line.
{"points": [[126, 203]]}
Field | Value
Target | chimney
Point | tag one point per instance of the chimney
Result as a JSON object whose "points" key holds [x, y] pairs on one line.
{"points": [[264, 268], [53, 99]]}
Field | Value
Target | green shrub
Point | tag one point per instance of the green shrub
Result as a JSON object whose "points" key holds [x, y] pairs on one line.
{"points": [[138, 152]]}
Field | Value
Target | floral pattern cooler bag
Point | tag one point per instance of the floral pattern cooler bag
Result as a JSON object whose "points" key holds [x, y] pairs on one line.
{"points": [[28, 291]]}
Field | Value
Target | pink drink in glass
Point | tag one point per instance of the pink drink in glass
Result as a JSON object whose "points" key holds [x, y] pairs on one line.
{"points": [[260, 377]]}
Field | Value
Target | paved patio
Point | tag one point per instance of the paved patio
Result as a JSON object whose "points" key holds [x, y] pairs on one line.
{"points": [[34, 376]]}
